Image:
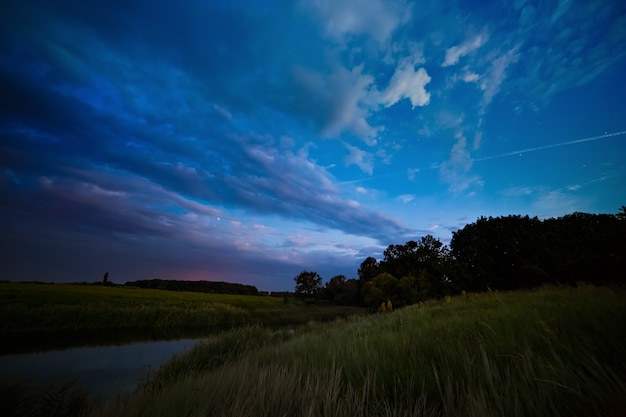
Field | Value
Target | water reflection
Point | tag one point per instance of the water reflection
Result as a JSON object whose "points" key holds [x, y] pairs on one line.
{"points": [[101, 371]]}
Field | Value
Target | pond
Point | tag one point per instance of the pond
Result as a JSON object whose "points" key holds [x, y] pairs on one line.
{"points": [[100, 371]]}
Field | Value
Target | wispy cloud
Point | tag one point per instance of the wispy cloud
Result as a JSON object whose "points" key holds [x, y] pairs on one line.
{"points": [[406, 198], [454, 53], [360, 158], [376, 18], [495, 75], [456, 170]]}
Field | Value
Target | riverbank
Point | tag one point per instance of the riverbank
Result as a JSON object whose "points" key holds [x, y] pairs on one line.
{"points": [[555, 351], [552, 351]]}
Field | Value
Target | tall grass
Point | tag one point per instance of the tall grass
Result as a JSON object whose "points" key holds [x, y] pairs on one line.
{"points": [[556, 351], [18, 398]]}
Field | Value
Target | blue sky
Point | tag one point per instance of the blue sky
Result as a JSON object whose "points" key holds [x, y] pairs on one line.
{"points": [[247, 141]]}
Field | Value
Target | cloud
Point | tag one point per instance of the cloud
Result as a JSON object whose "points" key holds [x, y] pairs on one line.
{"points": [[406, 198], [406, 82], [495, 75], [195, 154], [336, 101], [470, 77], [456, 170], [454, 53], [115, 132], [360, 158], [564, 49], [375, 18]]}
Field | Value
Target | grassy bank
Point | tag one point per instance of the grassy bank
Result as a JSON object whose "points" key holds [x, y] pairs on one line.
{"points": [[36, 315], [556, 351]]}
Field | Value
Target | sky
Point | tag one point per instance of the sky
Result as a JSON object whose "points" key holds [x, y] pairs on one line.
{"points": [[247, 141]]}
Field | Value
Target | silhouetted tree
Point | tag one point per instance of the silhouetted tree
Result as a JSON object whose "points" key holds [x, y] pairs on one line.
{"points": [[424, 264], [521, 252], [342, 291], [369, 269], [105, 279], [308, 284]]}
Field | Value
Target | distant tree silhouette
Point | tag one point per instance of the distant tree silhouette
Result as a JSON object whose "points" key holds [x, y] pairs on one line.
{"points": [[105, 279], [308, 284], [216, 287]]}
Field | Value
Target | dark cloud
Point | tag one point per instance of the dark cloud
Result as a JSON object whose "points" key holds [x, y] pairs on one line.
{"points": [[114, 141]]}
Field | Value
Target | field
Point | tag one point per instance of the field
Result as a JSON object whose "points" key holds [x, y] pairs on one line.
{"points": [[38, 316], [556, 351]]}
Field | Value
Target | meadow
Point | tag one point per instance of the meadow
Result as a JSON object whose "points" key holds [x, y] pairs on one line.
{"points": [[553, 351], [556, 351], [39, 316]]}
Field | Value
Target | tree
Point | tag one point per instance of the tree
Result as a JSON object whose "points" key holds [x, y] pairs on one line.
{"points": [[382, 288], [105, 279], [308, 284], [368, 270], [342, 291], [426, 261]]}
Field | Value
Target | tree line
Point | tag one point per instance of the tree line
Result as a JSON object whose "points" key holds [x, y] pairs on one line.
{"points": [[493, 253], [214, 287]]}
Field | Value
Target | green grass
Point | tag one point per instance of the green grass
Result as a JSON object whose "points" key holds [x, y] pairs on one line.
{"points": [[555, 351], [40, 314]]}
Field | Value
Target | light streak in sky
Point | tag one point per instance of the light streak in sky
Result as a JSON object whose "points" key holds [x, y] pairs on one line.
{"points": [[488, 158], [554, 145]]}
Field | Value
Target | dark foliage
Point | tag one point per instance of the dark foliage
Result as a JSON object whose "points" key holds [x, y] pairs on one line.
{"points": [[501, 253], [342, 291], [408, 273], [520, 252], [196, 286], [308, 285]]}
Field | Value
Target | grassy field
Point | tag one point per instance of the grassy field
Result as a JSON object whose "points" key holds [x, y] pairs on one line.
{"points": [[555, 351], [39, 315]]}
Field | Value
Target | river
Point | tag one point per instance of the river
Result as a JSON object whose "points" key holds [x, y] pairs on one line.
{"points": [[100, 371]]}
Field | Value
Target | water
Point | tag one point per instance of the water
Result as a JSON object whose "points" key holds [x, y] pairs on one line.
{"points": [[100, 371]]}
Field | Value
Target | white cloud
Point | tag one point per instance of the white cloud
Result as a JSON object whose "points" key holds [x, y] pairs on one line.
{"points": [[411, 173], [407, 83], [470, 77], [456, 170], [516, 191], [359, 158], [222, 111], [376, 18], [299, 241], [492, 80], [406, 198], [342, 96], [425, 130], [453, 54], [361, 190]]}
